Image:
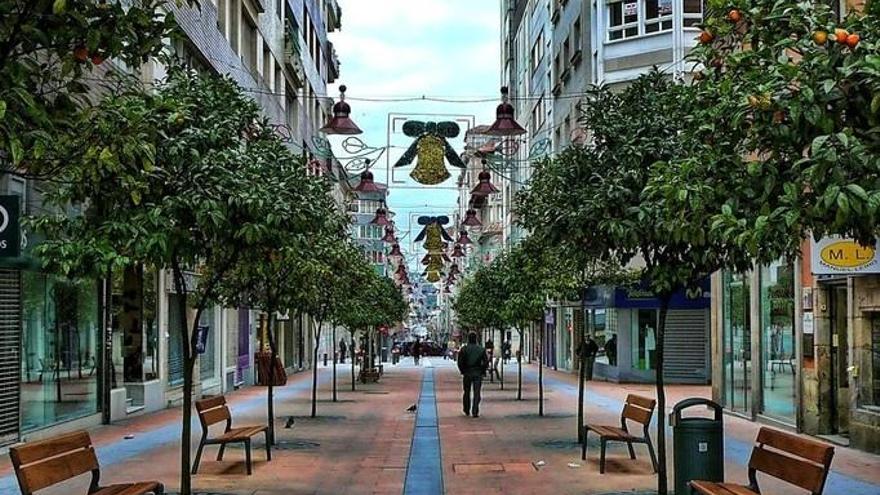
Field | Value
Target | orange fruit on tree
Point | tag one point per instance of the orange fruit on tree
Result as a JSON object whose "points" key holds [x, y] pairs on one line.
{"points": [[706, 37], [840, 35], [97, 59], [820, 37], [852, 40], [734, 15], [81, 53]]}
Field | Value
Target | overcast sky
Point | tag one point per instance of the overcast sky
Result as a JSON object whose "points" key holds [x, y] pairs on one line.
{"points": [[409, 48]]}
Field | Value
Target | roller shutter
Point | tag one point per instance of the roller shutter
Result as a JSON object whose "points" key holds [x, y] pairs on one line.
{"points": [[687, 346], [10, 354]]}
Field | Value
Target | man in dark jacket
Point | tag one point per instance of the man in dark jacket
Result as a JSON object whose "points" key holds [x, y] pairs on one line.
{"points": [[472, 363]]}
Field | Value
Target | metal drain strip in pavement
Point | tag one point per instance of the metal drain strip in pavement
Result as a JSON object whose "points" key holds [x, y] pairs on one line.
{"points": [[424, 471]]}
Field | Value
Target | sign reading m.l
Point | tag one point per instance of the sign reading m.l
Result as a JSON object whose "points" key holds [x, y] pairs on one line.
{"points": [[10, 232], [839, 256]]}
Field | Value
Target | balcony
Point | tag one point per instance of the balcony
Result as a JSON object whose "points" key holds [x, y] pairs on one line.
{"points": [[292, 56], [332, 63]]}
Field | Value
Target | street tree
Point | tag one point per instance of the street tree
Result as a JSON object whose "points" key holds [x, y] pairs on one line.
{"points": [[610, 197], [174, 178], [54, 57]]}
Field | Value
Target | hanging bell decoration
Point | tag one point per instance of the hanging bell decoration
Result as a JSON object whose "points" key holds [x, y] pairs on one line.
{"points": [[433, 276], [484, 187], [430, 168], [505, 124], [463, 238], [389, 235], [381, 217], [457, 251], [395, 251], [367, 184], [470, 219], [341, 123]]}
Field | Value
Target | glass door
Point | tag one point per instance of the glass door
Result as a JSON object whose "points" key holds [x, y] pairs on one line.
{"points": [[736, 339], [778, 360]]}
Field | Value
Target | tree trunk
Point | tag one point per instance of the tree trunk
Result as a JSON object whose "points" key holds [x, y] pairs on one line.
{"points": [[519, 359], [270, 390], [582, 383], [541, 372], [315, 370], [333, 336], [661, 396], [188, 365], [501, 361]]}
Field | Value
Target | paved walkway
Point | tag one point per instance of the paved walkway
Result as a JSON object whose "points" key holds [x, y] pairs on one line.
{"points": [[367, 443]]}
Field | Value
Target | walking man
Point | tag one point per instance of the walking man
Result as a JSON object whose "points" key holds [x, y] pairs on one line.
{"points": [[472, 363], [342, 348], [416, 351]]}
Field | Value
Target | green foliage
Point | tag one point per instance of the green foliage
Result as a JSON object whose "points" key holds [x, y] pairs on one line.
{"points": [[49, 51], [806, 110]]}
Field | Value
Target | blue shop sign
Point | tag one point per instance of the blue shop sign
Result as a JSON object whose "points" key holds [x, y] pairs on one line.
{"points": [[640, 296]]}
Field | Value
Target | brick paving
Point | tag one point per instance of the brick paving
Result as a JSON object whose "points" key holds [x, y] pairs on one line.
{"points": [[361, 444]]}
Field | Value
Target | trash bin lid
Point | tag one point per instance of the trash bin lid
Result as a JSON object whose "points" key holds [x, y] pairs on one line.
{"points": [[698, 423]]}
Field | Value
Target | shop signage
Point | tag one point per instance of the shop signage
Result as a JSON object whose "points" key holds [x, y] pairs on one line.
{"points": [[839, 256], [641, 296], [202, 339], [665, 7], [10, 231], [808, 324], [549, 317], [630, 8]]}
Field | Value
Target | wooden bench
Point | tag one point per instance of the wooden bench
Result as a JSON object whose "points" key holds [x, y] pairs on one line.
{"points": [[638, 409], [41, 464], [214, 410], [799, 461]]}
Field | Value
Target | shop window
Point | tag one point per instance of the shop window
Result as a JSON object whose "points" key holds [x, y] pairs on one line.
{"points": [[605, 333], [736, 340], [875, 358], [658, 15], [208, 358], [693, 13], [644, 337], [60, 337], [778, 363], [175, 341]]}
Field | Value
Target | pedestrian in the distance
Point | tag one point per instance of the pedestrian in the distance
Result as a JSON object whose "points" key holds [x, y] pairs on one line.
{"points": [[472, 363], [611, 350], [586, 352], [505, 350], [416, 351], [342, 349]]}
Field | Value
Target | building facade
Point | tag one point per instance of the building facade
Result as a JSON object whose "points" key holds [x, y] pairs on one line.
{"points": [[63, 369]]}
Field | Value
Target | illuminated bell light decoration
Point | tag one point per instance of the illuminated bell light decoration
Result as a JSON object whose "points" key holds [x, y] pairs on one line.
{"points": [[395, 251], [341, 123], [505, 124], [433, 233], [429, 149], [389, 235], [484, 187], [366, 184], [433, 276], [381, 217], [470, 219], [457, 252], [463, 238]]}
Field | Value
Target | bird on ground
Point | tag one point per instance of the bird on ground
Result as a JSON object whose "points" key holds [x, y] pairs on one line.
{"points": [[412, 408], [289, 423]]}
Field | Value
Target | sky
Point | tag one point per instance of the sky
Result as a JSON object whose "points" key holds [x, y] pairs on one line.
{"points": [[392, 49]]}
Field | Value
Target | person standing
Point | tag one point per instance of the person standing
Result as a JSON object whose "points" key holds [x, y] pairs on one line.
{"points": [[586, 352], [611, 350], [342, 349], [416, 351], [505, 350], [472, 363]]}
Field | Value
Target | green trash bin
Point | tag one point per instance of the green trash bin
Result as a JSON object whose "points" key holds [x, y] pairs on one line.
{"points": [[698, 445]]}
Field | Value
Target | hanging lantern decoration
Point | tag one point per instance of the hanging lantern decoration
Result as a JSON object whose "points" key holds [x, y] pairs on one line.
{"points": [[381, 217], [457, 251], [341, 122], [401, 270], [484, 187], [453, 270], [389, 235], [463, 238], [447, 290], [367, 184], [470, 219], [395, 251], [429, 149], [505, 124]]}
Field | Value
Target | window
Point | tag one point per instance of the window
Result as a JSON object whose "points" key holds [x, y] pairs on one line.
{"points": [[267, 66], [658, 15], [538, 51], [576, 34], [291, 108], [693, 13], [222, 7], [234, 23], [249, 44], [644, 340], [623, 20]]}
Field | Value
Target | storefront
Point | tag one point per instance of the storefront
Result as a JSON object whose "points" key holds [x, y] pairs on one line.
{"points": [[624, 325], [760, 365]]}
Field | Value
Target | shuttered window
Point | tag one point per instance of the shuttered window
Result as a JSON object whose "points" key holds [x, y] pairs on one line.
{"points": [[687, 346], [10, 354]]}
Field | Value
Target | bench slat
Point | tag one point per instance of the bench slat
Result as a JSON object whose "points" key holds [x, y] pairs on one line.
{"points": [[643, 402], [39, 475], [813, 450], [637, 414], [713, 488], [130, 489], [35, 451], [798, 472], [205, 404], [215, 415]]}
